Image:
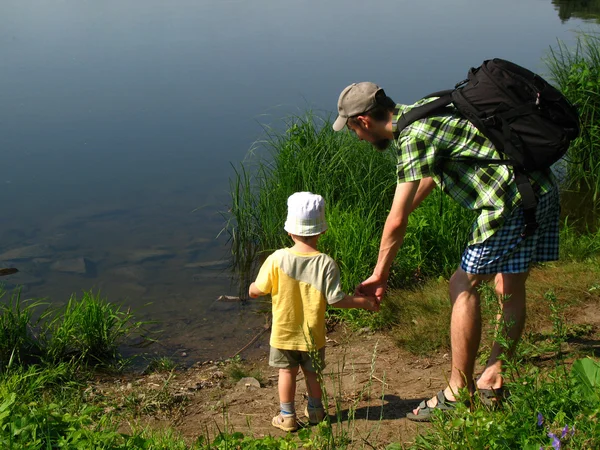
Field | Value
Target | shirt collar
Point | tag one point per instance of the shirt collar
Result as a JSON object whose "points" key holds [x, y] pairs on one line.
{"points": [[399, 110]]}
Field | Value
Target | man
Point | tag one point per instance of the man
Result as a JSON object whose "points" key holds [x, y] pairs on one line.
{"points": [[497, 249]]}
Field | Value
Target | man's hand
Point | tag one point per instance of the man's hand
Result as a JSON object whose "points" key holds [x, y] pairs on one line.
{"points": [[372, 286]]}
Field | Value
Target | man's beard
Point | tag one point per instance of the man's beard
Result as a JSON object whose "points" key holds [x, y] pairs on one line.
{"points": [[381, 144]]}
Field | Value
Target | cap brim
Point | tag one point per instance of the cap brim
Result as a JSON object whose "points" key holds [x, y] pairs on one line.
{"points": [[339, 123]]}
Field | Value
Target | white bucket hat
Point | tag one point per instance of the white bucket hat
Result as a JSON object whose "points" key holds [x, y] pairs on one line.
{"points": [[306, 214]]}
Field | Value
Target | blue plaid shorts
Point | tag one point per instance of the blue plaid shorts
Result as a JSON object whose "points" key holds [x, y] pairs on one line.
{"points": [[506, 251]]}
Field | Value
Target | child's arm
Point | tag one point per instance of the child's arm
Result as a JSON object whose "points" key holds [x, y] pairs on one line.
{"points": [[357, 301], [254, 292]]}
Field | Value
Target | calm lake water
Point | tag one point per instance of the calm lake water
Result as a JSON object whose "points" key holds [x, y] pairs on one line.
{"points": [[120, 120]]}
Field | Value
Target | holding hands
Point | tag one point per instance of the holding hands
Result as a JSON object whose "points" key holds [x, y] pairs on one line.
{"points": [[374, 286]]}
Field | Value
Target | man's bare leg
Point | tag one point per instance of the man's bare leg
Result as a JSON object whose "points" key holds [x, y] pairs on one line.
{"points": [[511, 292], [465, 331]]}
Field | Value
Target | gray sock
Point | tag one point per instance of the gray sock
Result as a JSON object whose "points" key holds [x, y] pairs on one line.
{"points": [[287, 409], [314, 403]]}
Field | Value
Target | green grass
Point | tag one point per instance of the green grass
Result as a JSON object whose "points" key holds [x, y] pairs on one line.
{"points": [[420, 317], [547, 408], [46, 353], [235, 369], [18, 342], [161, 364], [90, 329], [578, 245], [576, 71]]}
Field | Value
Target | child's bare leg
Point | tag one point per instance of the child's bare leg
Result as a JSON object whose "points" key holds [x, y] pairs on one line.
{"points": [[314, 410], [312, 384], [286, 419], [287, 389]]}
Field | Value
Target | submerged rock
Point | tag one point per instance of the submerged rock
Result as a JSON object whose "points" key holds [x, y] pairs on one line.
{"points": [[81, 266], [150, 254], [41, 260], [131, 288], [136, 273], [27, 252], [8, 271]]}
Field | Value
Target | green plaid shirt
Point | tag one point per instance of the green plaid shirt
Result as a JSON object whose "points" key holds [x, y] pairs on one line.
{"points": [[426, 148]]}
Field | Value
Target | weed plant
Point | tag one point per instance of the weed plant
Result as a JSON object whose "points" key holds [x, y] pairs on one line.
{"points": [[150, 401], [576, 245], [18, 342], [89, 329], [39, 409], [161, 364], [577, 74], [236, 370]]}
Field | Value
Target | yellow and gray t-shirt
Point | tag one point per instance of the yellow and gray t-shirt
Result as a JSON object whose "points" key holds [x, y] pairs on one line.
{"points": [[301, 285]]}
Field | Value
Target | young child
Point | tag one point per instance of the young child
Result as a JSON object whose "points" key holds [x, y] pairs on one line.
{"points": [[301, 282]]}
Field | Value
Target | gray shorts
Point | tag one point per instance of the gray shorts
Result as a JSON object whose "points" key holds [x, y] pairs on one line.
{"points": [[290, 359]]}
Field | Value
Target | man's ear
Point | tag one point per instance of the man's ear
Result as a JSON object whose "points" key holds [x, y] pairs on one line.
{"points": [[364, 121]]}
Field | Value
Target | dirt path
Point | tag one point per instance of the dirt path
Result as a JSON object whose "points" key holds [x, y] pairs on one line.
{"points": [[377, 394], [397, 381], [372, 398]]}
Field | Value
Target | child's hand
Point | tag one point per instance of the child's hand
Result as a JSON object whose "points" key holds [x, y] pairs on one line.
{"points": [[372, 304]]}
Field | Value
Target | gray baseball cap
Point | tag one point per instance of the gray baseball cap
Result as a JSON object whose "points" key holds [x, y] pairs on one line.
{"points": [[355, 99]]}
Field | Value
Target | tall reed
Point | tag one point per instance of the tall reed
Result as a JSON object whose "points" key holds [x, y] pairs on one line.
{"points": [[89, 329], [576, 71]]}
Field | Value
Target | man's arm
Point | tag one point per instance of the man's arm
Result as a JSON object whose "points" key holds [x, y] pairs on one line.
{"points": [[393, 235], [425, 187]]}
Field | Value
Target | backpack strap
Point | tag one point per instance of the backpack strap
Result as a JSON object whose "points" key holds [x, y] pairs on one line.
{"points": [[422, 111], [528, 197], [529, 202]]}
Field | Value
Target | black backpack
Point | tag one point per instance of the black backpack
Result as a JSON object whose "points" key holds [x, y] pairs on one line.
{"points": [[527, 120]]}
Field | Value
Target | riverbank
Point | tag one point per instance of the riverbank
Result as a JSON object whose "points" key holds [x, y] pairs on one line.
{"points": [[372, 383]]}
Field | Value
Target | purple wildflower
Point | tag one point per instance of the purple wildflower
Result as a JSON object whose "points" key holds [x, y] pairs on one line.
{"points": [[540, 419], [564, 431], [555, 441]]}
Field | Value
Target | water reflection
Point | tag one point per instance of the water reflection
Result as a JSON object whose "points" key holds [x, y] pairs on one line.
{"points": [[588, 10]]}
